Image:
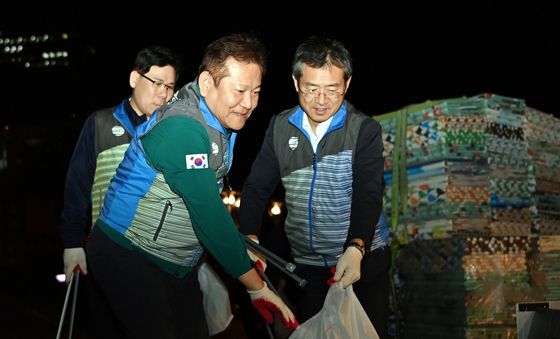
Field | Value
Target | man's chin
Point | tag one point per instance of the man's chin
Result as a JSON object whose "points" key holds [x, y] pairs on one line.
{"points": [[237, 124]]}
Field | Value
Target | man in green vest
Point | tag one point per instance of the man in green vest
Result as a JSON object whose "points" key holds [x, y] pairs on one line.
{"points": [[163, 208]]}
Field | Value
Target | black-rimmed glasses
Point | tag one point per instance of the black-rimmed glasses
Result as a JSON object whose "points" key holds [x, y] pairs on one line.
{"points": [[158, 84]]}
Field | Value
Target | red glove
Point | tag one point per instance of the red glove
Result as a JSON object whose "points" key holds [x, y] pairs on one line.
{"points": [[331, 281], [268, 303]]}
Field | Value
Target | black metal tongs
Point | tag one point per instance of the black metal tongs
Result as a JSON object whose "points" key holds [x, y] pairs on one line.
{"points": [[284, 266]]}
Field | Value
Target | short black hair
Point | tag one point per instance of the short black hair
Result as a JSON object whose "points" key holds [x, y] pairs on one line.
{"points": [[317, 52], [243, 47], [156, 56]]}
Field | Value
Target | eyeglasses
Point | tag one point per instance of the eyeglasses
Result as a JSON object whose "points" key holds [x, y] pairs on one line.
{"points": [[158, 84], [314, 93]]}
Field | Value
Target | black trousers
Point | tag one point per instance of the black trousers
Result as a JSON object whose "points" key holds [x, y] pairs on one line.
{"points": [[373, 289], [145, 301]]}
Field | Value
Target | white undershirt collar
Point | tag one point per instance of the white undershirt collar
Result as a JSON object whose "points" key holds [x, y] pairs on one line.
{"points": [[320, 130]]}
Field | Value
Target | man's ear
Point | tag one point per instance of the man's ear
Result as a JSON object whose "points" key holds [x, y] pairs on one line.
{"points": [[348, 84], [204, 82], [133, 78], [295, 83]]}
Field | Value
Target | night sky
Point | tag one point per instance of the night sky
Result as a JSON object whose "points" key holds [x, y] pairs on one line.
{"points": [[403, 53]]}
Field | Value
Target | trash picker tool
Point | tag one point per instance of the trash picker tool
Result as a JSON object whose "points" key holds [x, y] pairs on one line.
{"points": [[284, 266], [73, 285]]}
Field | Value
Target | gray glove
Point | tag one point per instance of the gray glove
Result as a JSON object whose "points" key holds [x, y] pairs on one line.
{"points": [[348, 267], [74, 257], [260, 262]]}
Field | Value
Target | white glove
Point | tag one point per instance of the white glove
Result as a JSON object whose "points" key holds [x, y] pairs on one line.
{"points": [[268, 304], [260, 262], [348, 267], [73, 257]]}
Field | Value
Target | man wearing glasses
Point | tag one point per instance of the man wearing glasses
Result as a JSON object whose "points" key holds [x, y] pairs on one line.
{"points": [[329, 158], [99, 150]]}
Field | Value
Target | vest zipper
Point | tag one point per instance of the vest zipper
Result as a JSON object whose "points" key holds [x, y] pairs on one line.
{"points": [[314, 161], [168, 205]]}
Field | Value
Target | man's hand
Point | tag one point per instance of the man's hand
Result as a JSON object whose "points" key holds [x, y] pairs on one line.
{"points": [[348, 266], [73, 257], [257, 258], [268, 303]]}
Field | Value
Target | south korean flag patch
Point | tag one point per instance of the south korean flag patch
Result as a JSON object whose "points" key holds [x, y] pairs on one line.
{"points": [[197, 161]]}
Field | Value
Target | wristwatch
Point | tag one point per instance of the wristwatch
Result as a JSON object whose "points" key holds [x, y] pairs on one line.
{"points": [[353, 243]]}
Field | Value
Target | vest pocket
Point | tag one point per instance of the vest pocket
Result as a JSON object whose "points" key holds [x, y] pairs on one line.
{"points": [[168, 206]]}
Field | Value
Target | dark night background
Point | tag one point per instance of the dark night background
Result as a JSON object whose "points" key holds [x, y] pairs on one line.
{"points": [[403, 54]]}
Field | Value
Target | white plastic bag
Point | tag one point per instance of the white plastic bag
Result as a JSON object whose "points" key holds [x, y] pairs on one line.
{"points": [[342, 317], [216, 299]]}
